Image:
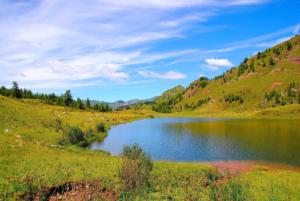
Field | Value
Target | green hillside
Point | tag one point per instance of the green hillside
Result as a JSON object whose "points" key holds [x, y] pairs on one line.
{"points": [[168, 99], [267, 80]]}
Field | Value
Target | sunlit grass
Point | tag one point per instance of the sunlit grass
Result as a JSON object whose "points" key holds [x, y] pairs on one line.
{"points": [[30, 157]]}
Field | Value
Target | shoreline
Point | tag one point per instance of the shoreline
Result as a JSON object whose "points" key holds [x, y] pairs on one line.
{"points": [[241, 166]]}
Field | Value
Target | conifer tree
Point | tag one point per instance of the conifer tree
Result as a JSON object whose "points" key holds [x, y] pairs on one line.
{"points": [[68, 100], [88, 103], [16, 92]]}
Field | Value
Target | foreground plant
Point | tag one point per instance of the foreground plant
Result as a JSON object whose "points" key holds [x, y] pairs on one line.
{"points": [[135, 168]]}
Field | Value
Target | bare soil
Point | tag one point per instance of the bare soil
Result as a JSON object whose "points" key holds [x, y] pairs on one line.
{"points": [[235, 167], [76, 191]]}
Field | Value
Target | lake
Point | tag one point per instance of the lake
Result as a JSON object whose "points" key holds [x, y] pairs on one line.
{"points": [[209, 139]]}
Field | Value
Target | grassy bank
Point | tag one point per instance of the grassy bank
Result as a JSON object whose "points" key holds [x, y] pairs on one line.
{"points": [[279, 112], [31, 159]]}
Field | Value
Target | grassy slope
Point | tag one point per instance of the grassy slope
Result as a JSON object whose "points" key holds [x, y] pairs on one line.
{"points": [[29, 151], [167, 95], [279, 112], [251, 86]]}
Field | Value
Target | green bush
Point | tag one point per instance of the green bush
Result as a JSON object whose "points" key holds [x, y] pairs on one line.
{"points": [[136, 167], [232, 98], [74, 135], [272, 61], [100, 127], [213, 175], [289, 46]]}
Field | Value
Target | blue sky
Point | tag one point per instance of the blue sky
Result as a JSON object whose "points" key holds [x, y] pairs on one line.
{"points": [[111, 50]]}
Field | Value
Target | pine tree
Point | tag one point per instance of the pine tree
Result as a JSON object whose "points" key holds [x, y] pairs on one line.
{"points": [[88, 103], [96, 107], [16, 92], [289, 46], [79, 104], [68, 100]]}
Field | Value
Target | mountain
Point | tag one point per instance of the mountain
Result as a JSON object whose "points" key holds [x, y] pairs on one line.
{"points": [[266, 80], [125, 104]]}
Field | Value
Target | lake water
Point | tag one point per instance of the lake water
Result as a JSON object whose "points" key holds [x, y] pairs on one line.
{"points": [[205, 139]]}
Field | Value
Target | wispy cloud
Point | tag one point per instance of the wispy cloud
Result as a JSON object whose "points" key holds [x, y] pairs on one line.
{"points": [[65, 41], [266, 40], [170, 75]]}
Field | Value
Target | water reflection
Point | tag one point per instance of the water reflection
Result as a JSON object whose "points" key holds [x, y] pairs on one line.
{"points": [[185, 139]]}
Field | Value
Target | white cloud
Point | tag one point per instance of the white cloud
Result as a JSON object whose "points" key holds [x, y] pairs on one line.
{"points": [[218, 62], [215, 64], [170, 75], [61, 42]]}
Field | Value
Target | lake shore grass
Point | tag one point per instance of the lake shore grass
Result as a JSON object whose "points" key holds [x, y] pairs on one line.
{"points": [[280, 112], [31, 160]]}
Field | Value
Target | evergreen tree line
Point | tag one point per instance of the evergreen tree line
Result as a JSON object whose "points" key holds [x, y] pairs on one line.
{"points": [[65, 99]]}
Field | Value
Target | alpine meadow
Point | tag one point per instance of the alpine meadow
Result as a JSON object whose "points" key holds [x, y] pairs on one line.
{"points": [[150, 100]]}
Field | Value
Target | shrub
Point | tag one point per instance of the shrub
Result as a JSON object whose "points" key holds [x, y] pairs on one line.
{"points": [[272, 61], [232, 98], [83, 143], [89, 133], [242, 68], [136, 167], [129, 174], [212, 175], [289, 46], [74, 135], [202, 101], [100, 127], [276, 51]]}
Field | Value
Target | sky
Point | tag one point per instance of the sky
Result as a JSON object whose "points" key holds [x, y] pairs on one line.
{"points": [[127, 49]]}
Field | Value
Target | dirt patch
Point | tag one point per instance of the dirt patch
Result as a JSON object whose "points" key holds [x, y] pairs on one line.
{"points": [[235, 167], [275, 85], [295, 60], [74, 191], [192, 92]]}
